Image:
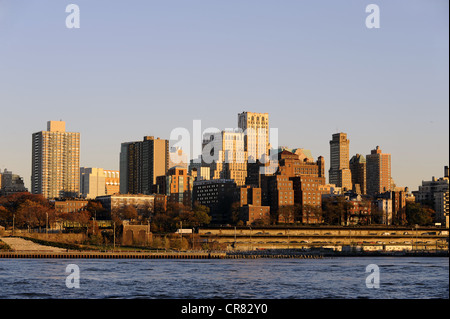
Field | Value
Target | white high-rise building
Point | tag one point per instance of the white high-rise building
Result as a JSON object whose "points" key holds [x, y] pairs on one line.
{"points": [[256, 129], [92, 182]]}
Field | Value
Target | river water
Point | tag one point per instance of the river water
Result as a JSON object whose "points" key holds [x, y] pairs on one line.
{"points": [[342, 277]]}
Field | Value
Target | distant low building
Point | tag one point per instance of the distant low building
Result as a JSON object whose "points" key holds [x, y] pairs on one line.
{"points": [[11, 183], [117, 201], [360, 211], [330, 190], [398, 199], [98, 182], [70, 206], [435, 193], [92, 182], [251, 208], [384, 207], [112, 182]]}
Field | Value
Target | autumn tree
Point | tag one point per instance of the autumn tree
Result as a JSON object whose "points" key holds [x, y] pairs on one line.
{"points": [[125, 212], [5, 216], [235, 212], [418, 214], [29, 210], [334, 210], [178, 214], [33, 214], [201, 214], [96, 210], [286, 213], [312, 214]]}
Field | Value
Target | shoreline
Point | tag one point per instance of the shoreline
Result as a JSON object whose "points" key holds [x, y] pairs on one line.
{"points": [[210, 255]]}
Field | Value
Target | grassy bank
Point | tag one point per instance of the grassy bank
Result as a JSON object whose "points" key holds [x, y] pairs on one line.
{"points": [[4, 246], [59, 244]]}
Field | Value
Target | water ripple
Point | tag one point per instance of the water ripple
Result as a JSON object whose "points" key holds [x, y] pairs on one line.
{"points": [[335, 278]]}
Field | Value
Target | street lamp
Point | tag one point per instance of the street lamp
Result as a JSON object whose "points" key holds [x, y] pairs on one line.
{"points": [[114, 236], [93, 222], [416, 226], [251, 244]]}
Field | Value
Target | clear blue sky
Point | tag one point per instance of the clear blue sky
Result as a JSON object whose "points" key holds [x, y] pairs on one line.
{"points": [[138, 68]]}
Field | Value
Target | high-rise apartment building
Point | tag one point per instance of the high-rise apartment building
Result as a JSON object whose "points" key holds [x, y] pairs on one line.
{"points": [[56, 162], [378, 172], [358, 171], [155, 161], [339, 173], [129, 159], [256, 139], [141, 162]]}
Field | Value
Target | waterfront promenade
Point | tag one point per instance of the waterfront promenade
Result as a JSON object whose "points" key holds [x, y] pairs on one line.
{"points": [[21, 249]]}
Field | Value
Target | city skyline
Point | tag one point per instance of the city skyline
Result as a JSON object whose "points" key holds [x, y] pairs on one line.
{"points": [[116, 80], [57, 127]]}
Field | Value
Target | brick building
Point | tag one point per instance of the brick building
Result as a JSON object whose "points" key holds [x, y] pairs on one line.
{"points": [[251, 209]]}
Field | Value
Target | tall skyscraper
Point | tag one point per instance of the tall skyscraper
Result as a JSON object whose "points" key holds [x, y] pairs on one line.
{"points": [[378, 168], [141, 162], [56, 162], [358, 169], [155, 161], [128, 162], [256, 140], [339, 172]]}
